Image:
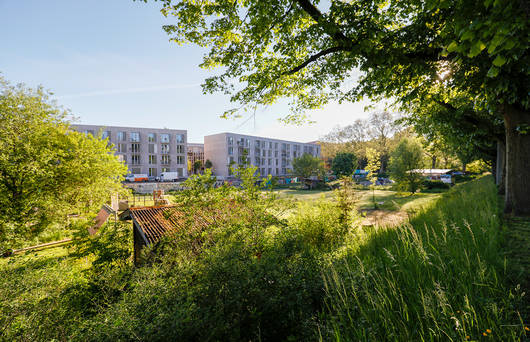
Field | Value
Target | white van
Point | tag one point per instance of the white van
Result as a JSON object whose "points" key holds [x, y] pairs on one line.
{"points": [[169, 176]]}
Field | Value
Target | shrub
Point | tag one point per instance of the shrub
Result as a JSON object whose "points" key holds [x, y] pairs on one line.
{"points": [[435, 184]]}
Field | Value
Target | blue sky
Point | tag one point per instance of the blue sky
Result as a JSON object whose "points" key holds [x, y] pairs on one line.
{"points": [[110, 63]]}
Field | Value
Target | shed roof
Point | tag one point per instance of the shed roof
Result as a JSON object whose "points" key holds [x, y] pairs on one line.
{"points": [[155, 222]]}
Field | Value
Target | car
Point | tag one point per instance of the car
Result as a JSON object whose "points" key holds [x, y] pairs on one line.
{"points": [[152, 179]]}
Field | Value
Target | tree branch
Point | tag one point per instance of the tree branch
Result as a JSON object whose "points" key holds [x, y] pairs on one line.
{"points": [[314, 58]]}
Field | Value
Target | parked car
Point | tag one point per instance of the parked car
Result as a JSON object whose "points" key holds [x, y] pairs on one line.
{"points": [[137, 178], [153, 179]]}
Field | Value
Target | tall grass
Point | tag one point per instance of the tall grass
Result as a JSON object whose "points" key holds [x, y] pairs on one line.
{"points": [[438, 278]]}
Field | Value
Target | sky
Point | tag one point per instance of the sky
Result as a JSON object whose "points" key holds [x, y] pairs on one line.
{"points": [[111, 63]]}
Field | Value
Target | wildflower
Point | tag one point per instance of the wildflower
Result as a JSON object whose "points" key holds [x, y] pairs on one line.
{"points": [[484, 334], [467, 337], [457, 311], [488, 331], [526, 328]]}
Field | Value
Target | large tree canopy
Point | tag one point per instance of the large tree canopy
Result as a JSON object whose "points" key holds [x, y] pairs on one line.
{"points": [[46, 170], [306, 50]]}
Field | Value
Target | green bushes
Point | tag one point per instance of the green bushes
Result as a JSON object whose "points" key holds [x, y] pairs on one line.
{"points": [[439, 278], [314, 274]]}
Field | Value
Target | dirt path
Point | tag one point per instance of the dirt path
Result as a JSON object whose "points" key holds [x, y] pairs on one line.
{"points": [[381, 217]]}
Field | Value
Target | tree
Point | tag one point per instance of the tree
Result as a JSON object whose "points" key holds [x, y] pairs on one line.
{"points": [[277, 48], [307, 166], [344, 164], [373, 165], [208, 164], [382, 127], [197, 165], [406, 157], [46, 170]]}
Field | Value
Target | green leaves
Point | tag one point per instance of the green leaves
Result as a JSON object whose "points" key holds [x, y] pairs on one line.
{"points": [[476, 49], [499, 61]]}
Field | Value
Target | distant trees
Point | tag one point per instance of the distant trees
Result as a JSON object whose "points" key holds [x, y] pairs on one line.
{"points": [[344, 164], [46, 170], [308, 166], [406, 157], [208, 164], [197, 165]]}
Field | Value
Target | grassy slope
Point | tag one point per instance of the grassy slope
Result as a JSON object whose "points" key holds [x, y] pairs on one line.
{"points": [[34, 289], [441, 278]]}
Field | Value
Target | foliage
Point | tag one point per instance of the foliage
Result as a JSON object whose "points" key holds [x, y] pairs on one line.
{"points": [[478, 166], [407, 157], [346, 200], [257, 277], [344, 164], [208, 164], [197, 165], [307, 51], [47, 171], [434, 184], [373, 165], [307, 166]]}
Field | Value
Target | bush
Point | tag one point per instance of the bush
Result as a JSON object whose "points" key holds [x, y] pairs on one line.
{"points": [[435, 184]]}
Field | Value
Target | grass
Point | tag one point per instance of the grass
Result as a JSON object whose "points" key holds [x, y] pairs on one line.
{"points": [[38, 292], [440, 278]]}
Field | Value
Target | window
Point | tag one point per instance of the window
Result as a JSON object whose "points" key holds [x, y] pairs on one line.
{"points": [[164, 138], [263, 171], [230, 150], [284, 170], [152, 171], [180, 160], [277, 171], [179, 138], [276, 154], [264, 154], [135, 159], [135, 136], [135, 148], [105, 135], [136, 170], [151, 137], [124, 158], [121, 148], [270, 153], [152, 159], [122, 136], [270, 162], [247, 142], [276, 162], [152, 148], [164, 169], [257, 143], [230, 140], [257, 161], [165, 160], [164, 148], [180, 148], [270, 144], [275, 146], [270, 171]]}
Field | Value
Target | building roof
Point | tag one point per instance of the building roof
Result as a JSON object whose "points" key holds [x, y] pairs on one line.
{"points": [[432, 171], [153, 223]]}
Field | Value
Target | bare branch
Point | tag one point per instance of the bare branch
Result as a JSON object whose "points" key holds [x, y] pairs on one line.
{"points": [[313, 58]]}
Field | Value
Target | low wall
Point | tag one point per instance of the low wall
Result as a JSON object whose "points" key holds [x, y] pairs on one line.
{"points": [[147, 188]]}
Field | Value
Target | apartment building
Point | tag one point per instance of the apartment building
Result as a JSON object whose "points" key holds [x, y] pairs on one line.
{"points": [[195, 153], [271, 156], [145, 150]]}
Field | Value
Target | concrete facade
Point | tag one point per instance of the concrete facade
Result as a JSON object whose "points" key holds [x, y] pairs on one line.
{"points": [[271, 156], [145, 150]]}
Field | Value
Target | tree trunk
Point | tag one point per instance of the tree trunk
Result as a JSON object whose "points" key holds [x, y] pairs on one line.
{"points": [[464, 164], [433, 162], [517, 184], [500, 166]]}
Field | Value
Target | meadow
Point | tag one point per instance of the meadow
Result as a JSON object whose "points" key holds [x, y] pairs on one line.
{"points": [[316, 275]]}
